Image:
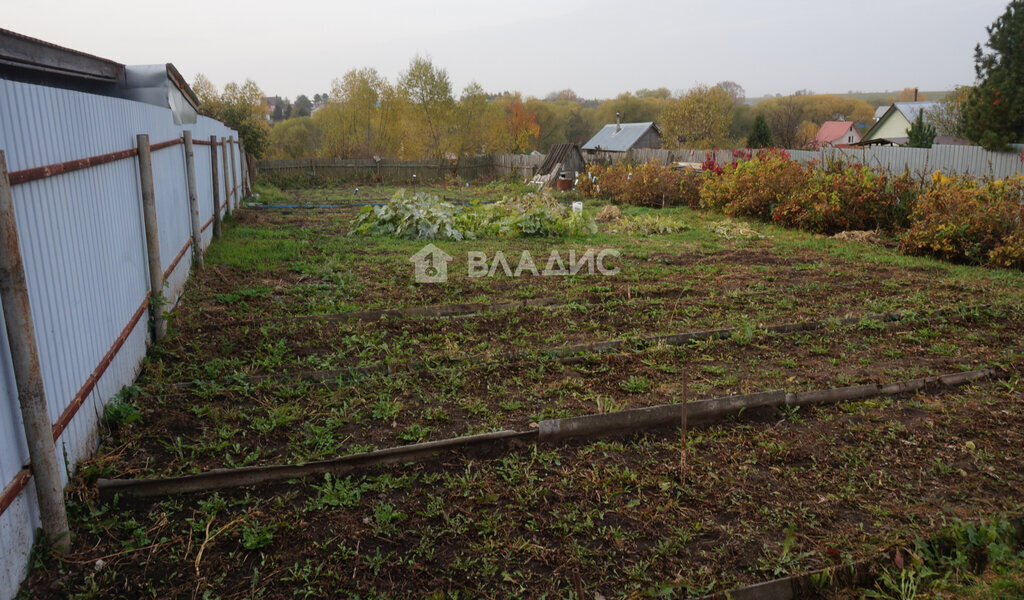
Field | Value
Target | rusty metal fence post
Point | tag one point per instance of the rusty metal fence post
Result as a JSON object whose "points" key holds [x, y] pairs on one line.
{"points": [[193, 202], [156, 270], [216, 186], [27, 374]]}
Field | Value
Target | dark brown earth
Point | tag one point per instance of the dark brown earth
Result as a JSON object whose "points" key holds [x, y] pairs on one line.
{"points": [[230, 387]]}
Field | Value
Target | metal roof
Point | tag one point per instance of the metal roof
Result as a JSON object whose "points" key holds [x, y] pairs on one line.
{"points": [[619, 138], [39, 62], [831, 131], [23, 52], [891, 141], [911, 109]]}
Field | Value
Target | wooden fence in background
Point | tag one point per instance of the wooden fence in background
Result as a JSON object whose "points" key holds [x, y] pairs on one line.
{"points": [[328, 170], [523, 165]]}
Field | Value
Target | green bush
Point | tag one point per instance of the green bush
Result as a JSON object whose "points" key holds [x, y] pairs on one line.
{"points": [[421, 217], [530, 215]]}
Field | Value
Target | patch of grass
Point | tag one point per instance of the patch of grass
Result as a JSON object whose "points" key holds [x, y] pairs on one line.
{"points": [[336, 492], [636, 385]]}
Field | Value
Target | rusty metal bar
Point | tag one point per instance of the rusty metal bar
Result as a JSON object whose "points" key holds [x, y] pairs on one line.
{"points": [[234, 177], [21, 337], [14, 489], [193, 203], [216, 187], [94, 377], [177, 259], [201, 142], [227, 178], [156, 278], [167, 144], [36, 173]]}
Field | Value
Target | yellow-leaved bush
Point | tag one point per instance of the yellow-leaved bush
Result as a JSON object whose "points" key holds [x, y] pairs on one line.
{"points": [[964, 219]]}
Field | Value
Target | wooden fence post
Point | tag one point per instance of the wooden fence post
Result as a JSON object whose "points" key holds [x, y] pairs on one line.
{"points": [[216, 186], [241, 169], [156, 270], [193, 202], [246, 177], [21, 337], [227, 178], [234, 177]]}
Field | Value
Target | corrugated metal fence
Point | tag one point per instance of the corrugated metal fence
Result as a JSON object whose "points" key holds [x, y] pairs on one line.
{"points": [[964, 160], [84, 250], [967, 160]]}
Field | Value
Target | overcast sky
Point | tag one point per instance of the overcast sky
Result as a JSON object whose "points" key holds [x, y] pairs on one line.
{"points": [[598, 48]]}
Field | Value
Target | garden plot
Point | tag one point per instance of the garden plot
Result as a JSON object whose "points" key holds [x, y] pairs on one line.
{"points": [[780, 494], [233, 420], [263, 367]]}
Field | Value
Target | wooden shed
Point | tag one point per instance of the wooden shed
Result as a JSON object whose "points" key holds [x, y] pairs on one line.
{"points": [[561, 158]]}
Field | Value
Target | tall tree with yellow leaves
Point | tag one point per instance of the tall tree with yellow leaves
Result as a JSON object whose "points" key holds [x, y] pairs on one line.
{"points": [[428, 91], [240, 107], [698, 120]]}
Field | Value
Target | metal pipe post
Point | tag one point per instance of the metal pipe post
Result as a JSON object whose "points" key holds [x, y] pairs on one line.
{"points": [[193, 202], [27, 374], [156, 269]]}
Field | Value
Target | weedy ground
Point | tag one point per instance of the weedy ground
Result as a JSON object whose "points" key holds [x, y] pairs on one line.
{"points": [[766, 494]]}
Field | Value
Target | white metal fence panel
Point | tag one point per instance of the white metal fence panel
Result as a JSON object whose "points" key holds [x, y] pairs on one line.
{"points": [[964, 160], [81, 235], [84, 249], [204, 189], [18, 522]]}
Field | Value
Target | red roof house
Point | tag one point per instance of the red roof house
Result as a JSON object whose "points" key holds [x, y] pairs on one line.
{"points": [[837, 134]]}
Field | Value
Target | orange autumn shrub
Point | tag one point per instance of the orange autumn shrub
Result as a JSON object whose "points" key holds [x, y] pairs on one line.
{"points": [[842, 196], [649, 184], [752, 188], [964, 219]]}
